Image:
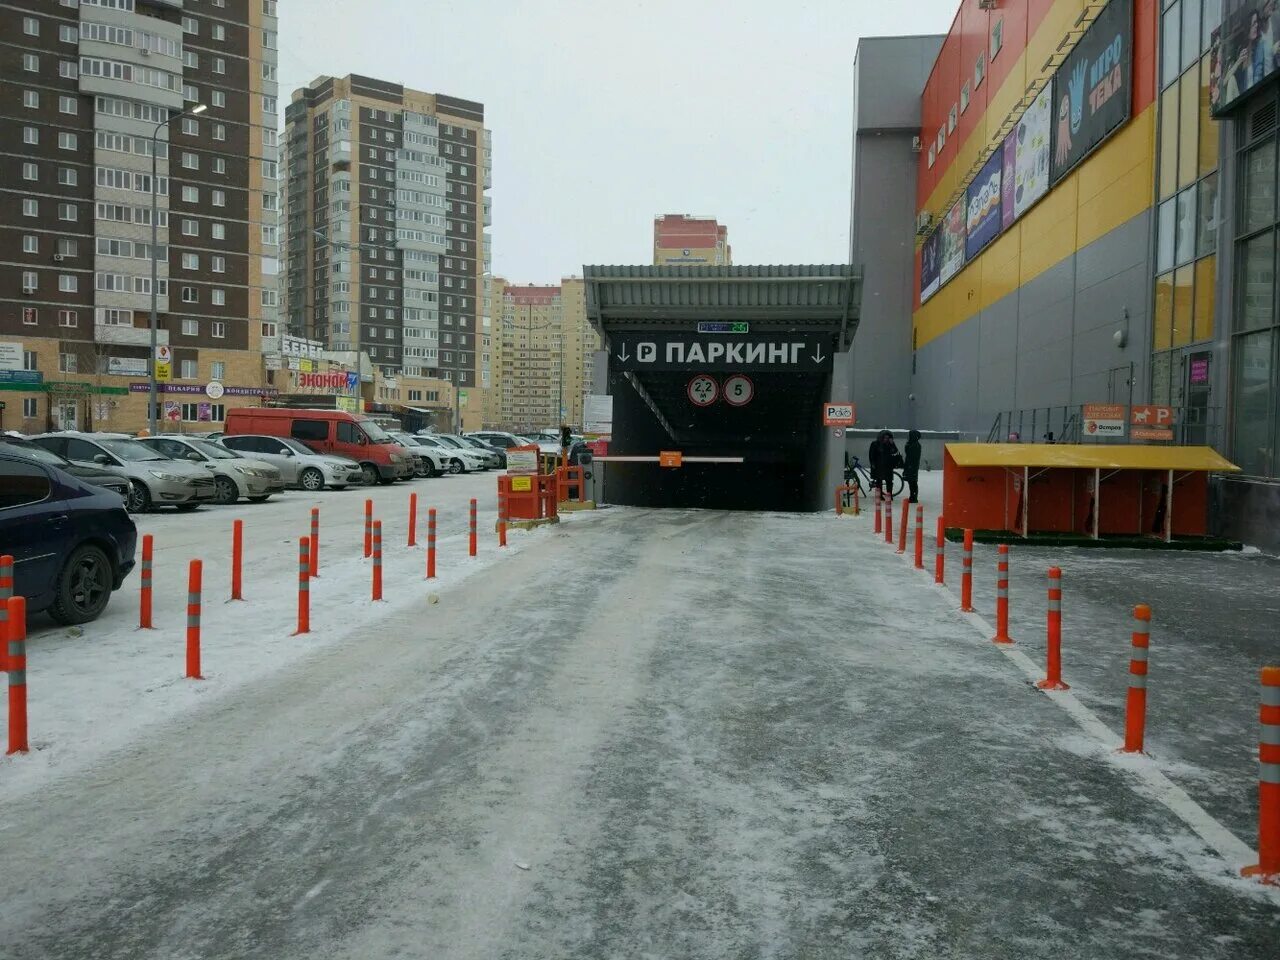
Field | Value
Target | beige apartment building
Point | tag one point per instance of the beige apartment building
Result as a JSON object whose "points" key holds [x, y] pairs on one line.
{"points": [[685, 239]]}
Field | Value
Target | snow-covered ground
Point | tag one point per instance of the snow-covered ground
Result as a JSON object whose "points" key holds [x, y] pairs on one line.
{"points": [[645, 734]]}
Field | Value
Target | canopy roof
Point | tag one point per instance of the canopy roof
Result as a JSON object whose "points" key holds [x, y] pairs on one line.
{"points": [[1089, 456]]}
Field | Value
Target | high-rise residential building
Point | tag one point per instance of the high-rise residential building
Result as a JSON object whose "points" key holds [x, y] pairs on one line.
{"points": [[386, 244], [91, 87], [679, 238], [542, 349]]}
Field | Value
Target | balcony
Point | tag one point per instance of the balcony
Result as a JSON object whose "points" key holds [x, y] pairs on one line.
{"points": [[127, 336]]}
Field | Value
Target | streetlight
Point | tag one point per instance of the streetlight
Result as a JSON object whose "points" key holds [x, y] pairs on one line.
{"points": [[155, 261]]}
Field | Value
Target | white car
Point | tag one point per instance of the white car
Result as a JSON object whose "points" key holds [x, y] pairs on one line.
{"points": [[488, 459], [430, 462], [456, 459], [299, 465]]}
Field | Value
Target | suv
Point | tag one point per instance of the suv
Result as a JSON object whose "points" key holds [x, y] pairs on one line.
{"points": [[456, 459], [234, 476], [431, 460], [20, 447], [154, 479], [72, 543], [298, 464]]}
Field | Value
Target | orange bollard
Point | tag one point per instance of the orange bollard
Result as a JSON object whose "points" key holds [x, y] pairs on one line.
{"points": [[1135, 707], [144, 601], [6, 591], [194, 577], [314, 546], [888, 521], [919, 536], [879, 511], [16, 628], [502, 519], [431, 544], [857, 509], [377, 560], [966, 574], [237, 558], [413, 519], [1267, 869], [472, 530], [840, 501], [1053, 649], [902, 528], [304, 586], [940, 552], [368, 528], [1002, 595]]}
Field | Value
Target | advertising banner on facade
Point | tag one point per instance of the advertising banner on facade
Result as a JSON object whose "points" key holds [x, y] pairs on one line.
{"points": [[982, 199], [1008, 176], [1245, 50], [952, 233], [930, 262], [1093, 89], [1029, 144], [126, 366]]}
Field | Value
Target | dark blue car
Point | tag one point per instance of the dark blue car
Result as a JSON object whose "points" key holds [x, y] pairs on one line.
{"points": [[72, 543]]}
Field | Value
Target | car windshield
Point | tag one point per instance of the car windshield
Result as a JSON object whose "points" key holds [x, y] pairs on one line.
{"points": [[132, 450], [450, 441], [472, 441], [215, 451], [375, 432], [35, 452]]}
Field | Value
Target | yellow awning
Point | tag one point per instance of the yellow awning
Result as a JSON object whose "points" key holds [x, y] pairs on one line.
{"points": [[1088, 456]]}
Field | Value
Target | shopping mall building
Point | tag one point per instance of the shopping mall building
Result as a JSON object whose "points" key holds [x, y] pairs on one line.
{"points": [[1075, 203]]}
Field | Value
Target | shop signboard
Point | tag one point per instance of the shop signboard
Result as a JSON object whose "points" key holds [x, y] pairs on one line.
{"points": [[982, 199], [10, 355], [1026, 159], [1105, 420], [930, 279], [21, 376], [1093, 88], [127, 366]]}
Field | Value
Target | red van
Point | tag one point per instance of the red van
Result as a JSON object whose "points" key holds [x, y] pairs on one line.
{"points": [[328, 431]]}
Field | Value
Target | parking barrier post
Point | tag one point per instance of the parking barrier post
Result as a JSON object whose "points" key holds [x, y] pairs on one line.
{"points": [[314, 546], [431, 544], [1002, 595], [472, 530], [902, 526], [888, 521], [368, 528], [1267, 869], [940, 553], [857, 509], [966, 574], [413, 519], [502, 519], [1053, 648], [144, 601], [879, 511], [16, 628], [919, 536], [237, 556], [194, 576], [6, 591], [1135, 707], [840, 501], [377, 560], [304, 586]]}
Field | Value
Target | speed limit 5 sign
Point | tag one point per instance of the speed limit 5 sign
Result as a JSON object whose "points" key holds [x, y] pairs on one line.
{"points": [[738, 390]]}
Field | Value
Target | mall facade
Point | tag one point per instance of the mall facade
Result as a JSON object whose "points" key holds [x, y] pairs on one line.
{"points": [[1062, 203]]}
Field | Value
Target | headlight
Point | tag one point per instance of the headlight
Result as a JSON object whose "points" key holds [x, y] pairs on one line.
{"points": [[167, 477]]}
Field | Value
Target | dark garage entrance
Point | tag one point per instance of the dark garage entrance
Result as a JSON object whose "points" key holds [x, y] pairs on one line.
{"points": [[723, 362]]}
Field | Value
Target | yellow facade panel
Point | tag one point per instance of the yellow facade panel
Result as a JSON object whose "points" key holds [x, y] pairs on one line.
{"points": [[999, 265], [1049, 230]]}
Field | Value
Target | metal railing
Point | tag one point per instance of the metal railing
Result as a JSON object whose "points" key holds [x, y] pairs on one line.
{"points": [[1194, 426]]}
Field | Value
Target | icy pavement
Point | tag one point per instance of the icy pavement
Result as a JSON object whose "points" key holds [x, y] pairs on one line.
{"points": [[648, 734]]}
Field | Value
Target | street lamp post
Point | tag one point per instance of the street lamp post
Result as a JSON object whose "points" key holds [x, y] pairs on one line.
{"points": [[155, 257]]}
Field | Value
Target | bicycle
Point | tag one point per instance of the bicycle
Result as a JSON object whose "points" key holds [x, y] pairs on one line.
{"points": [[856, 473]]}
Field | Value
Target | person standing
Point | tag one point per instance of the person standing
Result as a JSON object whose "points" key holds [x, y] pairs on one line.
{"points": [[884, 457], [911, 466]]}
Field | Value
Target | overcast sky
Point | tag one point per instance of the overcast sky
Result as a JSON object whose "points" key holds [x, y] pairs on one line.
{"points": [[607, 112]]}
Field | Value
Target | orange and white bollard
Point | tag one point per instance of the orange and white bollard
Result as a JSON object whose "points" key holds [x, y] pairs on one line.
{"points": [[1002, 595], [431, 544], [472, 529], [940, 552], [144, 599], [919, 536], [16, 665], [879, 511], [966, 574], [237, 559], [194, 576], [304, 586], [314, 546], [6, 591], [1053, 648], [413, 519], [502, 519], [902, 527], [888, 521], [377, 560], [368, 528], [840, 501], [1135, 707], [1267, 869]]}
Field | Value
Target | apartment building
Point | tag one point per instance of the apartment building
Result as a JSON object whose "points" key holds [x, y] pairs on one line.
{"points": [[681, 238], [386, 249], [542, 349], [93, 89]]}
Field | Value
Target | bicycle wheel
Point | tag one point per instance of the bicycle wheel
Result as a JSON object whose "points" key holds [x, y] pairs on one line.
{"points": [[898, 483]]}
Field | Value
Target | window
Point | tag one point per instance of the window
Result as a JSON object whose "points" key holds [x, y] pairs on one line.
{"points": [[269, 235], [191, 59], [218, 264], [68, 318], [30, 408], [218, 231], [191, 261], [68, 176], [190, 161], [268, 104], [218, 297], [313, 430], [219, 198], [219, 65], [190, 25], [68, 211], [191, 126], [68, 34], [964, 97], [67, 363], [190, 327], [30, 63], [219, 131], [30, 243], [68, 69], [189, 295], [190, 194], [997, 37], [30, 280], [219, 32], [23, 482], [68, 283], [30, 135], [218, 329], [187, 370], [270, 298], [190, 228], [68, 247], [30, 171], [219, 98], [217, 369], [31, 99], [30, 207]]}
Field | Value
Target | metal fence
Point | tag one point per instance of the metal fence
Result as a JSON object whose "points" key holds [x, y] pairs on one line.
{"points": [[1194, 426]]}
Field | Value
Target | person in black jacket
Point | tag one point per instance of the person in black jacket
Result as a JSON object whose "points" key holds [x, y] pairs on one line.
{"points": [[883, 457], [911, 466]]}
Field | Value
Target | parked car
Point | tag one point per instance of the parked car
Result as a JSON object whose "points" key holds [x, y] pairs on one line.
{"points": [[432, 460], [298, 464], [328, 431], [234, 476], [493, 456], [499, 439], [457, 459], [72, 542], [487, 460], [154, 479], [94, 475]]}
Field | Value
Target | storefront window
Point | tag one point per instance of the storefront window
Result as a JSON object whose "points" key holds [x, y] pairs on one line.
{"points": [[1162, 334], [1186, 229], [1168, 141], [1258, 281], [1182, 305], [1258, 193], [1160, 375], [1254, 404], [1207, 216], [1210, 22], [1208, 126], [1167, 218], [1190, 31], [1171, 43], [1206, 274], [1188, 128]]}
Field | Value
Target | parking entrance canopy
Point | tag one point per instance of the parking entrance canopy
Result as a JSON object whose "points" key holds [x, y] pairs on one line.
{"points": [[692, 352], [1089, 456]]}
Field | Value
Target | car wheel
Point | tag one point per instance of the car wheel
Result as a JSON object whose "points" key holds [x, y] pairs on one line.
{"points": [[455, 466], [139, 497], [422, 470], [227, 491], [262, 499], [311, 479], [431, 469], [370, 473], [83, 587]]}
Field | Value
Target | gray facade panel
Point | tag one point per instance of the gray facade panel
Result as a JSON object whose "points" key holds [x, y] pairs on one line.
{"points": [[895, 70]]}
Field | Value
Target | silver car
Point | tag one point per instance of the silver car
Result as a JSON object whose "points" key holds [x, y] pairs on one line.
{"points": [[234, 476], [154, 479], [299, 465]]}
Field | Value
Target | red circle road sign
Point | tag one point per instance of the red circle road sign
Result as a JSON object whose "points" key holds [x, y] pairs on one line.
{"points": [[738, 390], [703, 390]]}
